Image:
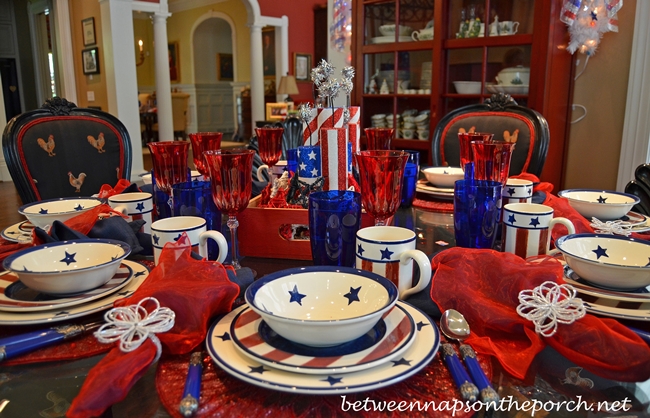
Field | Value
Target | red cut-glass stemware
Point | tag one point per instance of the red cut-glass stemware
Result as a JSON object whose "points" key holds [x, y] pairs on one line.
{"points": [[269, 139], [492, 160], [379, 138], [465, 139], [201, 142], [231, 179], [169, 159], [380, 175]]}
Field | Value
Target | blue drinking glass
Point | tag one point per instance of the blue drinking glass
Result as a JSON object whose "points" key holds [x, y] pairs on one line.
{"points": [[334, 219], [411, 173], [476, 213], [292, 160]]}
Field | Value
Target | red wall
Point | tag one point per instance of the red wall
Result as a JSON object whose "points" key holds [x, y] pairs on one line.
{"points": [[301, 33]]}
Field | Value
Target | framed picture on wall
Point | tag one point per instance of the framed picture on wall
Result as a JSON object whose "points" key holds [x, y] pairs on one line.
{"points": [[276, 111], [90, 60], [302, 66], [88, 29], [174, 68], [268, 47], [224, 67]]}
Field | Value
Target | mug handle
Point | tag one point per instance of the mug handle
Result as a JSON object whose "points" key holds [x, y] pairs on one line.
{"points": [[425, 271], [515, 26], [122, 209], [219, 239], [555, 221], [260, 169], [415, 35]]}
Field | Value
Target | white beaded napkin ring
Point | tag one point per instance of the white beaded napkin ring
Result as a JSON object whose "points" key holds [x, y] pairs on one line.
{"points": [[617, 227], [550, 304], [132, 325]]}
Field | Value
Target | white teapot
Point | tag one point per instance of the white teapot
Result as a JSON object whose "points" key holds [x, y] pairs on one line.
{"points": [[425, 34]]}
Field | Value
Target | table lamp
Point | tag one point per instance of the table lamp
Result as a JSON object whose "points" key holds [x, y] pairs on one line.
{"points": [[288, 86]]}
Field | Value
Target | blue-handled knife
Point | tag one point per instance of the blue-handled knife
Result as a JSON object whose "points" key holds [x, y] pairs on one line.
{"points": [[192, 392], [16, 345]]}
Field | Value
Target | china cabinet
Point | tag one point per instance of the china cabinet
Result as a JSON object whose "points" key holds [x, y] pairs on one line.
{"points": [[428, 57]]}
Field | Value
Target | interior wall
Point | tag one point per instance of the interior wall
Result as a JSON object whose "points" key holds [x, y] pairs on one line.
{"points": [[95, 84], [143, 30], [27, 76], [301, 33], [595, 141], [211, 37]]}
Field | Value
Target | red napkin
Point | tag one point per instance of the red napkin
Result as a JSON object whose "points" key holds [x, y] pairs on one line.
{"points": [[107, 191], [195, 290], [484, 285]]}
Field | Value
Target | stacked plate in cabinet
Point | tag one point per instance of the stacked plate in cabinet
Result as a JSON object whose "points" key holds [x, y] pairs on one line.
{"points": [[401, 343], [632, 305]]}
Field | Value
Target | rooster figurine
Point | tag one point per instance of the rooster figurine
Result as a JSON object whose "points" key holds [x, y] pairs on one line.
{"points": [[97, 143], [77, 182], [47, 146]]}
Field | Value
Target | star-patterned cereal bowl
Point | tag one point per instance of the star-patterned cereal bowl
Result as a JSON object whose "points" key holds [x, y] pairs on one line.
{"points": [[609, 261], [321, 306], [602, 204], [443, 176], [68, 267], [43, 213]]}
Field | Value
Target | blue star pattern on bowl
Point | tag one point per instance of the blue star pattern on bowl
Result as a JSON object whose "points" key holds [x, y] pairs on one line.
{"points": [[296, 296], [353, 295], [600, 252], [69, 258], [43, 211], [602, 199], [79, 207]]}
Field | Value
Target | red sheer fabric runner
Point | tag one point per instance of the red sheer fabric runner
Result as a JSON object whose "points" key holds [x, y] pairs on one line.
{"points": [[484, 285], [195, 290]]}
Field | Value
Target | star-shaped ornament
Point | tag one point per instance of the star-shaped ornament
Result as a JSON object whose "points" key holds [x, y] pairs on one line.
{"points": [[303, 166], [312, 155], [314, 172], [69, 258], [353, 295], [296, 296]]}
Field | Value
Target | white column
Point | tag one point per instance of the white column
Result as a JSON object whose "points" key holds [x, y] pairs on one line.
{"points": [[257, 76], [119, 72], [163, 84], [65, 57]]}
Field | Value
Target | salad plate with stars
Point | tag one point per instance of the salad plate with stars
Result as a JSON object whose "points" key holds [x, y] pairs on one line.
{"points": [[137, 274], [43, 212], [223, 350], [18, 232]]}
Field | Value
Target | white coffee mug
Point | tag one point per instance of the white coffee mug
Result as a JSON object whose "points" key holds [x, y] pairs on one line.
{"points": [[517, 191], [509, 27], [527, 228], [168, 230], [422, 34], [274, 173], [389, 251], [136, 205]]}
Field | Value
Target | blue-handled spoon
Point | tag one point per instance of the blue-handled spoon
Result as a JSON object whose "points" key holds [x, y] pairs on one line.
{"points": [[454, 325]]}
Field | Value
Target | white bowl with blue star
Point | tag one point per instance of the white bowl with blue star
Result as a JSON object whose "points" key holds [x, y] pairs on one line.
{"points": [[68, 267], [443, 176], [602, 204], [609, 261], [43, 213], [321, 306]]}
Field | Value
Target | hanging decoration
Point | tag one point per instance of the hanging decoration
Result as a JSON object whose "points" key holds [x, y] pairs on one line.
{"points": [[341, 28], [588, 20]]}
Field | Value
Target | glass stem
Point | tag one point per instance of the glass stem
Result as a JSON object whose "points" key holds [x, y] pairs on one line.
{"points": [[233, 223], [380, 222]]}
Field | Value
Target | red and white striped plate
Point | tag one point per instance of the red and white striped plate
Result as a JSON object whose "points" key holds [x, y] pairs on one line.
{"points": [[392, 336]]}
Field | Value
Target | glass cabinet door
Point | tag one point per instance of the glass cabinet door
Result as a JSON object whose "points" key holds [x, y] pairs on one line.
{"points": [[472, 19]]}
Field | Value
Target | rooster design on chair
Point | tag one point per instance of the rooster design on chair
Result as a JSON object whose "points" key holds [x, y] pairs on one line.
{"points": [[507, 137], [77, 182], [47, 146], [97, 143]]}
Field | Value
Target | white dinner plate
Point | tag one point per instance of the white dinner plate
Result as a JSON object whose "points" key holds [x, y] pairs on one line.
{"points": [[222, 350], [140, 273], [18, 232], [16, 297], [392, 335], [636, 311], [584, 287], [424, 186]]}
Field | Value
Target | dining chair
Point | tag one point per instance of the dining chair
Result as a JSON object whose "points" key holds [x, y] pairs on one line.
{"points": [[508, 121], [640, 187], [61, 150]]}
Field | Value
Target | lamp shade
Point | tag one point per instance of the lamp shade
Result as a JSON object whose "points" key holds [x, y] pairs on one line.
{"points": [[288, 85]]}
